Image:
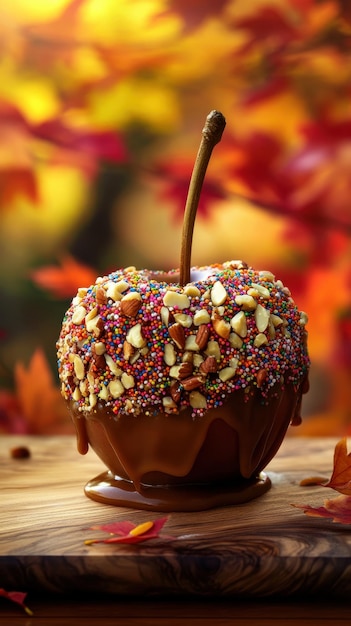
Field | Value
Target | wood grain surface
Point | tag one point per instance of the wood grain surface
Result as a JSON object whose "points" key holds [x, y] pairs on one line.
{"points": [[263, 549]]}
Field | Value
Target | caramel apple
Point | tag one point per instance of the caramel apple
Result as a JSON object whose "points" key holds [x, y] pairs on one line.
{"points": [[183, 382]]}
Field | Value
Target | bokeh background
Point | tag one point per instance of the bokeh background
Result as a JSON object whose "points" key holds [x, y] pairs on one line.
{"points": [[102, 103]]}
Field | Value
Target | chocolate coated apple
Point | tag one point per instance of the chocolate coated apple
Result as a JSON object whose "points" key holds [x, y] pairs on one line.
{"points": [[184, 391]]}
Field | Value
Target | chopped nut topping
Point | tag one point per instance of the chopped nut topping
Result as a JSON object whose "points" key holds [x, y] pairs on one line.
{"points": [[103, 393], [99, 347], [127, 380], [192, 291], [128, 350], [168, 404], [135, 336], [263, 291], [174, 371], [185, 370], [116, 388], [190, 343], [101, 297], [261, 317], [213, 350], [247, 303], [261, 376], [277, 321], [260, 340], [198, 359], [218, 293], [175, 390], [193, 382], [235, 341], [209, 365], [113, 367], [78, 367], [197, 400], [175, 299], [76, 395], [92, 324], [303, 318], [201, 317], [166, 316], [188, 357], [238, 324], [226, 373], [79, 315], [115, 290], [130, 303], [169, 356], [176, 332], [183, 319], [202, 336], [221, 327], [266, 276]]}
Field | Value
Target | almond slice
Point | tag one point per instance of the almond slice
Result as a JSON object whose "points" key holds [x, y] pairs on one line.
{"points": [[238, 324], [218, 293], [261, 317], [135, 336], [175, 299]]}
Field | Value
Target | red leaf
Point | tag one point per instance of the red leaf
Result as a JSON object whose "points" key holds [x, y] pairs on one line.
{"points": [[195, 12], [98, 144], [63, 281], [338, 509], [127, 532], [16, 596], [176, 176], [267, 24]]}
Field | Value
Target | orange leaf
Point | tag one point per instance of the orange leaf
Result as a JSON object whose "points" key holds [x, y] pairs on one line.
{"points": [[341, 477], [40, 401], [338, 509], [63, 281]]}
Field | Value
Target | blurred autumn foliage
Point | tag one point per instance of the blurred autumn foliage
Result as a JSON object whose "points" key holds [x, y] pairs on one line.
{"points": [[101, 108]]}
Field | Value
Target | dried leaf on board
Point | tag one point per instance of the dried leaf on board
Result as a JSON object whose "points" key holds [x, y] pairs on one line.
{"points": [[337, 509], [18, 597], [127, 532]]}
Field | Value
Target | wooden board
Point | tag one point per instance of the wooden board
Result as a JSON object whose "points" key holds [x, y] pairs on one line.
{"points": [[265, 548]]}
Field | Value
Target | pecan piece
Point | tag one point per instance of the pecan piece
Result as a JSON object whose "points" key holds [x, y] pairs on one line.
{"points": [[202, 336], [193, 382], [176, 332]]}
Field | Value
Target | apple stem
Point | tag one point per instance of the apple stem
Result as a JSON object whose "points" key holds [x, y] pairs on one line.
{"points": [[211, 135]]}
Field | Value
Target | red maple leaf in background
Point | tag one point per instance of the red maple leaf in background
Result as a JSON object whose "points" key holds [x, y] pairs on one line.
{"points": [[269, 25], [63, 280], [175, 177], [193, 13], [79, 147]]}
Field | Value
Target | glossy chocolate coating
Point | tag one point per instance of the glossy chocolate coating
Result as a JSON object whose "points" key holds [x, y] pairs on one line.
{"points": [[174, 462]]}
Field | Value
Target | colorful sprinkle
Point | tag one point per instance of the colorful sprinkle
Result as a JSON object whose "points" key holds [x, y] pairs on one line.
{"points": [[271, 337]]}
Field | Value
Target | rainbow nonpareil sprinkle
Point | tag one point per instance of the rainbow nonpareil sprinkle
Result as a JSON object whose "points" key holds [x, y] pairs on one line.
{"points": [[129, 341]]}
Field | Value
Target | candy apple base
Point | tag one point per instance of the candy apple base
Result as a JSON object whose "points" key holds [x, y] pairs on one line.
{"points": [[109, 489]]}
